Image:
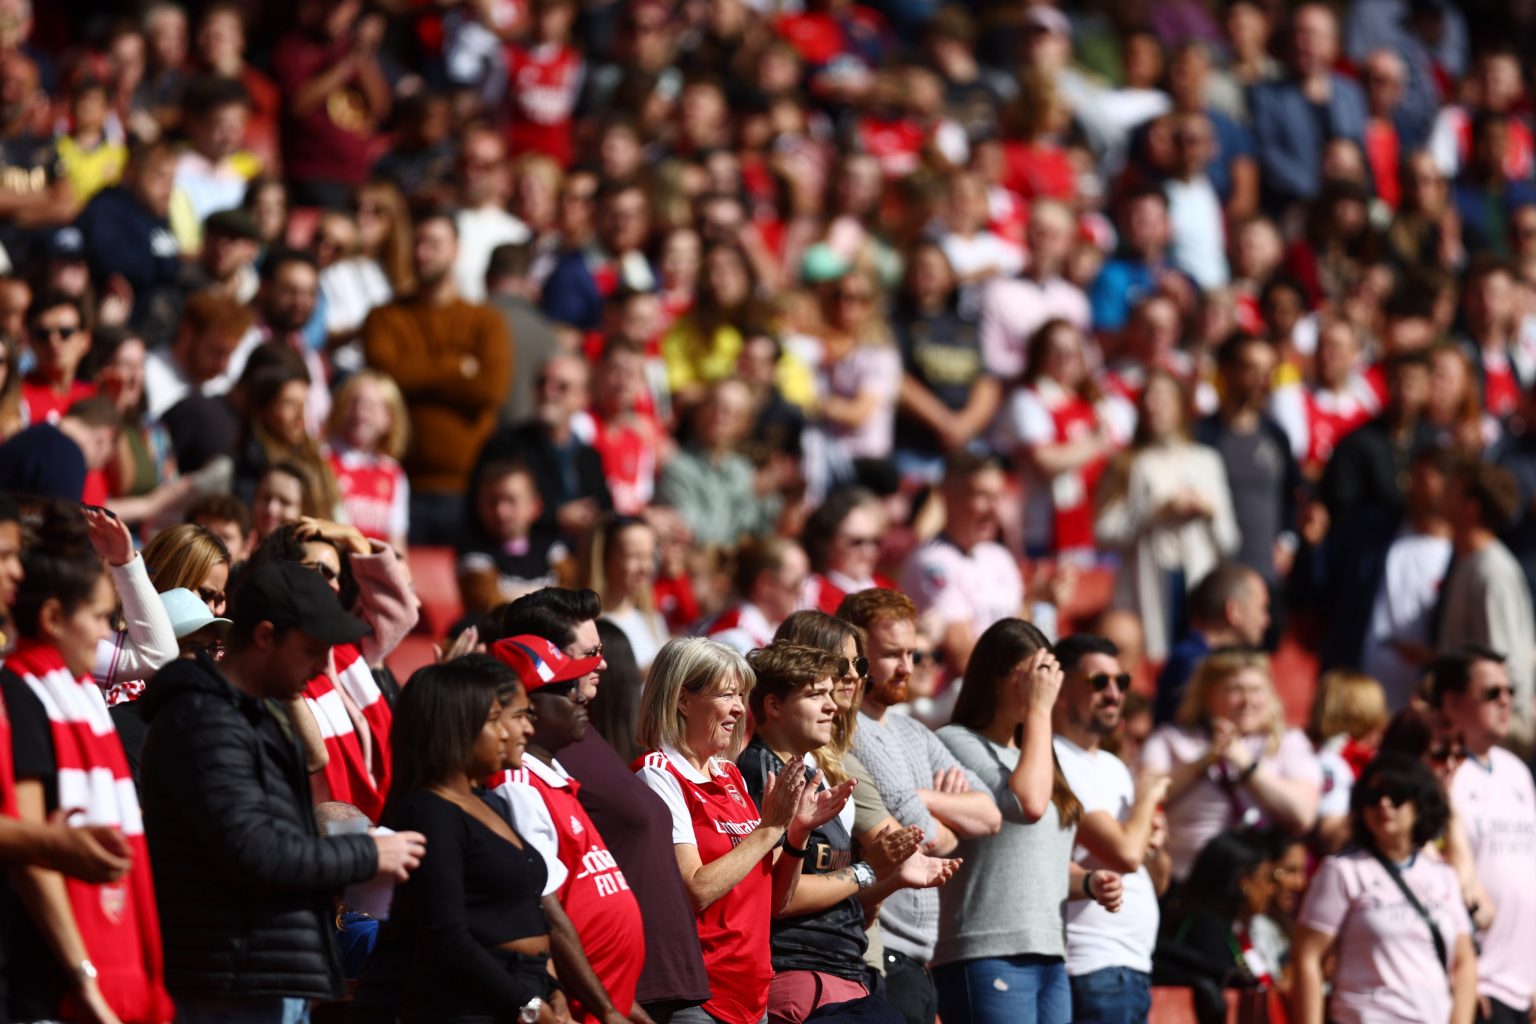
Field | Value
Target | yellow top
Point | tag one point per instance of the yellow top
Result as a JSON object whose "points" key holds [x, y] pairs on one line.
{"points": [[689, 363], [89, 170]]}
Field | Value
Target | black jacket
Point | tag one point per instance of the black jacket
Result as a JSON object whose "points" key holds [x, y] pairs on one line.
{"points": [[243, 880]]}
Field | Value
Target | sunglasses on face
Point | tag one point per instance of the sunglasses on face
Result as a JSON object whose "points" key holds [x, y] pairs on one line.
{"points": [[62, 333], [862, 542], [921, 658], [595, 651], [1100, 681], [859, 666], [1395, 795], [1495, 694], [1446, 752]]}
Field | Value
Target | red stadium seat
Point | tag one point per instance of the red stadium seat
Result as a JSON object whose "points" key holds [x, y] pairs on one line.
{"points": [[414, 652], [437, 585]]}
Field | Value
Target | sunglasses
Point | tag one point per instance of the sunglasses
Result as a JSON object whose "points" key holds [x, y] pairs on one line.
{"points": [[859, 666], [862, 542], [62, 333], [1100, 681], [921, 658], [1446, 752], [1497, 693], [1396, 795], [595, 651], [326, 572]]}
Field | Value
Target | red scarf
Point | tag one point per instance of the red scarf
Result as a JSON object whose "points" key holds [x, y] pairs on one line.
{"points": [[117, 921], [348, 774]]}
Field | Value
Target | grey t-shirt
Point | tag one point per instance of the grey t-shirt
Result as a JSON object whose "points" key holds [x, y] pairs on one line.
{"points": [[1255, 467], [1010, 897]]}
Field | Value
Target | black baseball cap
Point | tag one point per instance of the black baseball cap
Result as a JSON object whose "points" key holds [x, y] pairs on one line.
{"points": [[287, 594], [232, 223]]}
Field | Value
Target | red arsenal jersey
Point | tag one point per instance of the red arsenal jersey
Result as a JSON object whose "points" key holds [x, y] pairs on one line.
{"points": [[714, 813], [582, 872]]}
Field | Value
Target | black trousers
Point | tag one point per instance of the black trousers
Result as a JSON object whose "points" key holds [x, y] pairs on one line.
{"points": [[909, 988], [1502, 1013]]}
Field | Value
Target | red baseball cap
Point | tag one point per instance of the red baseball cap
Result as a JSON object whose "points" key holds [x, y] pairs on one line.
{"points": [[539, 663]]}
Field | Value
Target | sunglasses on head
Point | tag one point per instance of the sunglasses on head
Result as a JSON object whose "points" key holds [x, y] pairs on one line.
{"points": [[859, 665], [1100, 681]]}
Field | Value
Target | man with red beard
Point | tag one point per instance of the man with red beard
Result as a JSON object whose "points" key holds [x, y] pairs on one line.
{"points": [[1109, 955], [922, 784]]}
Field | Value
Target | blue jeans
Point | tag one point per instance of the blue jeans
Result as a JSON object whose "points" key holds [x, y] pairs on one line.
{"points": [[1114, 995], [1005, 990], [234, 1010]]}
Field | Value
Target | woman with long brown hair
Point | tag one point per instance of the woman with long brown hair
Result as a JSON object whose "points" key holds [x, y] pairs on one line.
{"points": [[1001, 919]]}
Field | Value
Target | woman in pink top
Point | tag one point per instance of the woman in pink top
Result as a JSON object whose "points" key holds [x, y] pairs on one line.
{"points": [[1392, 914], [1231, 758]]}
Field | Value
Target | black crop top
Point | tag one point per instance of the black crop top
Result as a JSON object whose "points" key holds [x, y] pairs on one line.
{"points": [[472, 892]]}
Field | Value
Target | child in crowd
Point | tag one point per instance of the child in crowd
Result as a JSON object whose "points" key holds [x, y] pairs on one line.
{"points": [[367, 434], [506, 556]]}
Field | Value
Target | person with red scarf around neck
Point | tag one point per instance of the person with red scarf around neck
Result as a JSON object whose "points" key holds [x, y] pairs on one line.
{"points": [[94, 953], [348, 716], [91, 853]]}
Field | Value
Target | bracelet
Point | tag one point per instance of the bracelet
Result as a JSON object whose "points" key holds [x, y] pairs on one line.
{"points": [[1088, 884], [797, 852]]}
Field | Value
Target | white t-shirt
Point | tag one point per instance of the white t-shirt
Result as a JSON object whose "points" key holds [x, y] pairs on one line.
{"points": [[982, 253], [1404, 609], [646, 633], [480, 232], [1097, 939], [1199, 245]]}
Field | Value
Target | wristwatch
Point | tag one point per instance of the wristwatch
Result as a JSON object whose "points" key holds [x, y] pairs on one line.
{"points": [[529, 1014], [864, 875]]}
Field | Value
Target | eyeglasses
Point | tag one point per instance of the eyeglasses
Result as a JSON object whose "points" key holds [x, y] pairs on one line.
{"points": [[1494, 694], [861, 542], [859, 665], [326, 572], [1100, 681], [62, 333], [921, 658]]}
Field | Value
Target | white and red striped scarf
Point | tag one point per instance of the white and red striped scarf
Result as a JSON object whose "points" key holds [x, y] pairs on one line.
{"points": [[349, 775], [117, 921]]}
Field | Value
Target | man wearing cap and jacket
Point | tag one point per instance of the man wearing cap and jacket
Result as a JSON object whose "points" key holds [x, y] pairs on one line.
{"points": [[243, 880]]}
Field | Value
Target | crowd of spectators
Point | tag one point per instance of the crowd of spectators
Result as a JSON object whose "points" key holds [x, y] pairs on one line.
{"points": [[977, 511]]}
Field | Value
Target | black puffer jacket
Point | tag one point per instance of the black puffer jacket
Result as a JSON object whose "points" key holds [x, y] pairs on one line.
{"points": [[243, 879]]}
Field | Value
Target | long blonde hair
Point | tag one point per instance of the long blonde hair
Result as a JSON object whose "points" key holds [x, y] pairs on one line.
{"points": [[1215, 670], [398, 437], [182, 556]]}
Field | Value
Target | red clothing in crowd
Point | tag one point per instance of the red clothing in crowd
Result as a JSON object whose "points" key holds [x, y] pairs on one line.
{"points": [[713, 814], [592, 888], [45, 405], [544, 81]]}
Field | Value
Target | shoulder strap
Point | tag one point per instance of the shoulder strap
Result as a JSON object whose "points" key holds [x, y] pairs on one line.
{"points": [[1413, 901]]}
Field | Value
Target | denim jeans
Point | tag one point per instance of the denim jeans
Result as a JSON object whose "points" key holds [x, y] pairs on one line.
{"points": [[1114, 995], [1005, 990], [699, 1015], [234, 1010]]}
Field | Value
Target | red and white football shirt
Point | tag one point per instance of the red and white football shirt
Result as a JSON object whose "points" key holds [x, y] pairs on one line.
{"points": [[714, 813]]}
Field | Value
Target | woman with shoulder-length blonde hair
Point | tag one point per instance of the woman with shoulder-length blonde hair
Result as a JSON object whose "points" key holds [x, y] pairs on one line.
{"points": [[184, 556], [1231, 758], [693, 723], [1003, 917]]}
